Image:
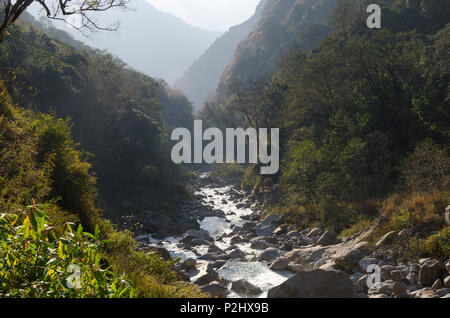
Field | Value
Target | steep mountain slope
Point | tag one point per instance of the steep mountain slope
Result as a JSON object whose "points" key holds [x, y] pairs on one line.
{"points": [[286, 24], [200, 81], [116, 115], [156, 43]]}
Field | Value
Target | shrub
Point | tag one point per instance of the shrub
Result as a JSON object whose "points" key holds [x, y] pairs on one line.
{"points": [[427, 168], [438, 245], [36, 262]]}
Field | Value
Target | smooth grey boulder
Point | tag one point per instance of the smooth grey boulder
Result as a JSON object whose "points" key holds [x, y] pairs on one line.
{"points": [[315, 284]]}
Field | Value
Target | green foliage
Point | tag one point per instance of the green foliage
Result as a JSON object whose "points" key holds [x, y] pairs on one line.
{"points": [[438, 245], [120, 116], [251, 179], [36, 262], [228, 170], [362, 115], [360, 226], [39, 163]]}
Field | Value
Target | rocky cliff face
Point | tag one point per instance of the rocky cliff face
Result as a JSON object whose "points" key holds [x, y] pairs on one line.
{"points": [[200, 81], [285, 24]]}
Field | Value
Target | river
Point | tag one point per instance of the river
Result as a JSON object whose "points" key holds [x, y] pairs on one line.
{"points": [[219, 228]]}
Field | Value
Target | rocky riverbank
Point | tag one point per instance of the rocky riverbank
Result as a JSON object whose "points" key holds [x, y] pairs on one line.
{"points": [[227, 250]]}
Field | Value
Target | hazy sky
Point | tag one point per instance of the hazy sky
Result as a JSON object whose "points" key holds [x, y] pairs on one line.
{"points": [[216, 15]]}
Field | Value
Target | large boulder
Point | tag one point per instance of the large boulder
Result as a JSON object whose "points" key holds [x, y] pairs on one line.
{"points": [[280, 264], [269, 254], [236, 254], [327, 238], [258, 243], [268, 225], [244, 287], [200, 234], [315, 284], [388, 287], [349, 259], [429, 272], [189, 264]]}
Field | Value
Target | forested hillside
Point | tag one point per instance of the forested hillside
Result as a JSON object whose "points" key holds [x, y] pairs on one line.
{"points": [[115, 114], [364, 123], [155, 43], [201, 79], [285, 25]]}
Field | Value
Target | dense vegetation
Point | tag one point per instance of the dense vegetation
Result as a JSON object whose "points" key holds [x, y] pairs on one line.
{"points": [[49, 220], [363, 117], [116, 114], [285, 25]]}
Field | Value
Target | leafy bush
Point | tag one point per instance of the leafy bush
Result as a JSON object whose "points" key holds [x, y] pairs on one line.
{"points": [[36, 262], [438, 245]]}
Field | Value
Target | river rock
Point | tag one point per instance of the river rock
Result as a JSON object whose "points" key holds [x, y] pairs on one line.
{"points": [[388, 238], [317, 231], [327, 238], [198, 242], [388, 287], [244, 287], [443, 292], [189, 264], [215, 289], [258, 243], [236, 254], [424, 293], [268, 225], [200, 234], [269, 254], [447, 266], [280, 264], [281, 230], [236, 239], [293, 234], [399, 275], [315, 284], [249, 226], [161, 251], [348, 261], [429, 272], [295, 268], [365, 262], [437, 284], [447, 282]]}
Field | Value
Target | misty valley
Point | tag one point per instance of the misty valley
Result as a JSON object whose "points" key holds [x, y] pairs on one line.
{"points": [[254, 149]]}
